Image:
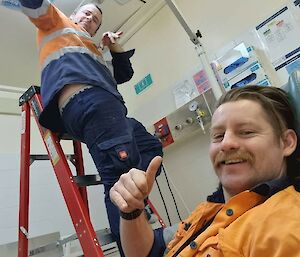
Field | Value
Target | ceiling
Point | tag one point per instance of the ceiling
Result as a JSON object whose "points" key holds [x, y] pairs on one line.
{"points": [[19, 67]]}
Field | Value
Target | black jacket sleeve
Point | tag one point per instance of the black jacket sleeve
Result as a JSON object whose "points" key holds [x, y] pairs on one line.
{"points": [[123, 71]]}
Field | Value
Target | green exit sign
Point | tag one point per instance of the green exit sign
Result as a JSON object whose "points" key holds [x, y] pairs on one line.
{"points": [[143, 84]]}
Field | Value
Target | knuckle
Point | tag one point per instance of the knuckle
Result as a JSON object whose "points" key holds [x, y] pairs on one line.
{"points": [[124, 175]]}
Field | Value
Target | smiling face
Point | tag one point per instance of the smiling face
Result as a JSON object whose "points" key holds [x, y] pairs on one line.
{"points": [[244, 149], [88, 17]]}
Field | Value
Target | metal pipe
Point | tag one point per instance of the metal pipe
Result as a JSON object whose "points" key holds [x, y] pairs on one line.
{"points": [[199, 48]]}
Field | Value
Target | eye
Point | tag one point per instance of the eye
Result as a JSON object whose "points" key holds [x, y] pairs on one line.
{"points": [[218, 137], [246, 132]]}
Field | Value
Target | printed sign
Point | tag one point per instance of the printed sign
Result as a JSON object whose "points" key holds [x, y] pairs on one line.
{"points": [[143, 84]]}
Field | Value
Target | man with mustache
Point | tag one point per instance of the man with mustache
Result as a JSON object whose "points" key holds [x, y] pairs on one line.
{"points": [[80, 95], [255, 211]]}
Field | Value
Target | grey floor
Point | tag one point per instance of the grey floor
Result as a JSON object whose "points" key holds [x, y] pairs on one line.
{"points": [[46, 246]]}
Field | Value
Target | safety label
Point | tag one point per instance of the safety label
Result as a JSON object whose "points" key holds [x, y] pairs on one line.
{"points": [[51, 148], [23, 122]]}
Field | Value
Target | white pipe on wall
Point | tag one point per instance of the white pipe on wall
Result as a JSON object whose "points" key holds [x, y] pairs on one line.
{"points": [[199, 48], [141, 17]]}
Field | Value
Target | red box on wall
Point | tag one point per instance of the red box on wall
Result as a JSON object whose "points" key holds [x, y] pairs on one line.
{"points": [[163, 131]]}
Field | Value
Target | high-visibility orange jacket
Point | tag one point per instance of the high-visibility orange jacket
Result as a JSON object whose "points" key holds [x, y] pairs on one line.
{"points": [[248, 225]]}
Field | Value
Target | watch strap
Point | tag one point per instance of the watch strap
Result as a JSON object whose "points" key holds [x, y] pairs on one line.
{"points": [[131, 215]]}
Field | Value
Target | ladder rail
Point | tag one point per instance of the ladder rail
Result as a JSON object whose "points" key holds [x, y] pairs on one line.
{"points": [[156, 213], [80, 170], [24, 183], [75, 196], [76, 206], [74, 201]]}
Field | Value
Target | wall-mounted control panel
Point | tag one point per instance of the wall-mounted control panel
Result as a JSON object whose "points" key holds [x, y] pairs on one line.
{"points": [[183, 122]]}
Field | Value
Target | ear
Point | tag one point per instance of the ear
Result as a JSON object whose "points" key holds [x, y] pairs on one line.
{"points": [[289, 139]]}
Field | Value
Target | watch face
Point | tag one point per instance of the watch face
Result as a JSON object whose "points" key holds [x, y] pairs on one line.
{"points": [[193, 106]]}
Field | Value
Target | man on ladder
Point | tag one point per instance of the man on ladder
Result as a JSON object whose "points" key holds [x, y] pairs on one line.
{"points": [[80, 96]]}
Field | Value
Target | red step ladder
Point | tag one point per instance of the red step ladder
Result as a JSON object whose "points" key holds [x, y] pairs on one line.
{"points": [[72, 187]]}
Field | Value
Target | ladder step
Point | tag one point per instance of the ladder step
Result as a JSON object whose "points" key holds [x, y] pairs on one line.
{"points": [[88, 180], [65, 137]]}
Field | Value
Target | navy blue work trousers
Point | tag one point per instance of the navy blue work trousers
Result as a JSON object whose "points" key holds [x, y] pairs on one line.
{"points": [[98, 119]]}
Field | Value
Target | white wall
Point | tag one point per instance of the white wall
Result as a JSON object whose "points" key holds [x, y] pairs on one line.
{"points": [[164, 50]]}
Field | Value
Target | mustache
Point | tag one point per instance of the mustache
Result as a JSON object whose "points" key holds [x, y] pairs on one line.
{"points": [[221, 157]]}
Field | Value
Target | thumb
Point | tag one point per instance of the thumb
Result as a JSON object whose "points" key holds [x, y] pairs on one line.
{"points": [[152, 170]]}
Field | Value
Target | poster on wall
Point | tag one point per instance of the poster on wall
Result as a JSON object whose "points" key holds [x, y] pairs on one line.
{"points": [[192, 85], [280, 35], [201, 81], [184, 91]]}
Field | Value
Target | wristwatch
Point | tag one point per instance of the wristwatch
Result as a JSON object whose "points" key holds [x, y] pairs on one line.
{"points": [[131, 215]]}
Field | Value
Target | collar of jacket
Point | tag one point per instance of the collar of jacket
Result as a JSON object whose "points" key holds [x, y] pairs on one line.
{"points": [[266, 189]]}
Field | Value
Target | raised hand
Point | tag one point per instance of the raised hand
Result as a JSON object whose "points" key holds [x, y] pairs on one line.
{"points": [[133, 187], [109, 38]]}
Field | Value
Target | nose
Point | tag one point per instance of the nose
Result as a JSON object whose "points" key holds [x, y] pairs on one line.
{"points": [[230, 142]]}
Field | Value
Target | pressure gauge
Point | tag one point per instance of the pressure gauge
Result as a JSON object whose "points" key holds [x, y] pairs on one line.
{"points": [[193, 106]]}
